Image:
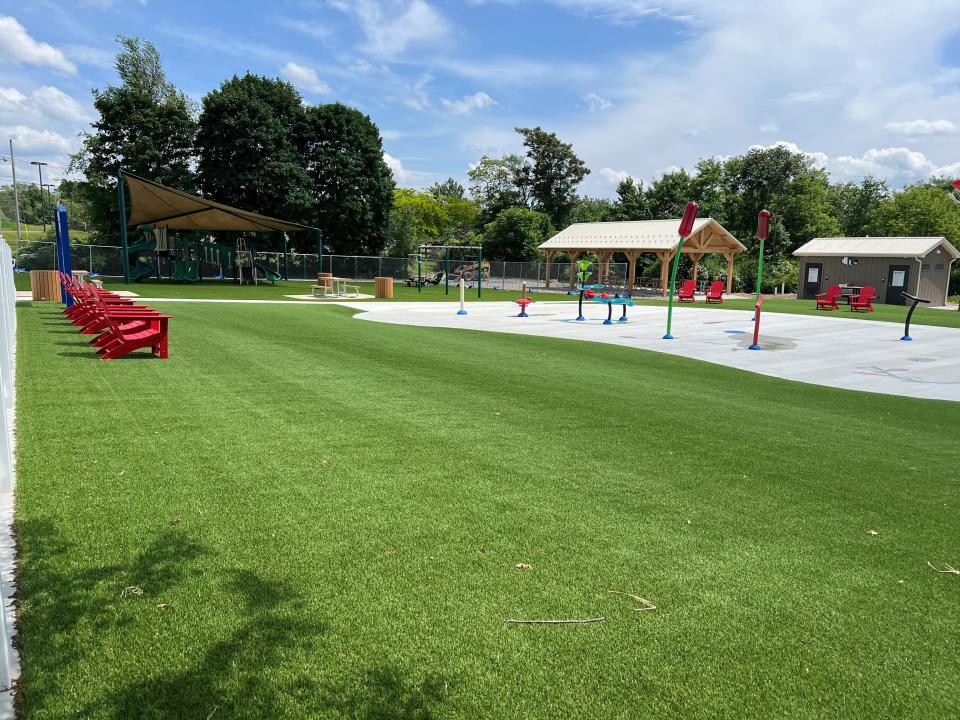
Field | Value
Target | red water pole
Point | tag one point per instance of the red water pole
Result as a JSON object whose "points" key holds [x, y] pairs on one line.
{"points": [[756, 324]]}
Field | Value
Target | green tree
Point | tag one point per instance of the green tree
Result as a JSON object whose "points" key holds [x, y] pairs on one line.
{"points": [[516, 233], [668, 195], [855, 205], [631, 201], [351, 183], [249, 148], [553, 174], [916, 211], [591, 210], [495, 184], [144, 125], [449, 189], [788, 185]]}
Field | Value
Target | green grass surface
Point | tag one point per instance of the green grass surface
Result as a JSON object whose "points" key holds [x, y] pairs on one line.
{"points": [[325, 514]]}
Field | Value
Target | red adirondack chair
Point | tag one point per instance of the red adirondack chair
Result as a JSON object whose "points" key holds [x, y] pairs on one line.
{"points": [[715, 292], [863, 300], [685, 291], [131, 329], [828, 300]]}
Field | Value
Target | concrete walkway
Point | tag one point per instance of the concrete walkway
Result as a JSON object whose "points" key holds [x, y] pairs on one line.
{"points": [[837, 352]]}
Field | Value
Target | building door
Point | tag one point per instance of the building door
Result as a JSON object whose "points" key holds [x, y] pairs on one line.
{"points": [[812, 276], [898, 280]]}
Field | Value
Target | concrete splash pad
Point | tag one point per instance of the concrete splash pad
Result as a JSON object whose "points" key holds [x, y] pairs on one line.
{"points": [[839, 352]]}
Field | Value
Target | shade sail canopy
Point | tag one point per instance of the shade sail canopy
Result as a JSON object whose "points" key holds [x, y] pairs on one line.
{"points": [[160, 206], [644, 236]]}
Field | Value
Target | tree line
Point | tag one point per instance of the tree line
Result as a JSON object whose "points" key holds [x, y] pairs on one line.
{"points": [[254, 143]]}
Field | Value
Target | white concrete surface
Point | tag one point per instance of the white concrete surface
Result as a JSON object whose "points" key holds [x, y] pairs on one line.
{"points": [[848, 353]]}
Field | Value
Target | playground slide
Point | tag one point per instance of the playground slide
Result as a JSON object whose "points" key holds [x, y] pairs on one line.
{"points": [[139, 269], [269, 274]]}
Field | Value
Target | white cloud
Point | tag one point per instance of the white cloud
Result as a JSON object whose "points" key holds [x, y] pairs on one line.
{"points": [[415, 96], [401, 174], [31, 140], [392, 26], [86, 55], [469, 103], [17, 47], [614, 177], [806, 97], [310, 29], [54, 103], [722, 66], [595, 103], [42, 106], [305, 78], [922, 127], [897, 164]]}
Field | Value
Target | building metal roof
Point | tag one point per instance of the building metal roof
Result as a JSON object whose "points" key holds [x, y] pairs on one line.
{"points": [[645, 235], [907, 247]]}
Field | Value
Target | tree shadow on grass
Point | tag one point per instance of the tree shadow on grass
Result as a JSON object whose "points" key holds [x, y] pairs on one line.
{"points": [[272, 660], [60, 597]]}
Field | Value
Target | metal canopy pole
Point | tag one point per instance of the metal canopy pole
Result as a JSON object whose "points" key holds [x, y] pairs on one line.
{"points": [[122, 202]]}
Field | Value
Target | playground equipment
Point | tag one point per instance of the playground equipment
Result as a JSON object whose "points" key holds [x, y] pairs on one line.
{"points": [[137, 268], [756, 324], [583, 275], [163, 209], [686, 228], [463, 292], [906, 327], [763, 225], [431, 265], [610, 301]]}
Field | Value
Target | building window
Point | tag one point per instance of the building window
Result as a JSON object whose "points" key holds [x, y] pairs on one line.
{"points": [[938, 266], [926, 266]]}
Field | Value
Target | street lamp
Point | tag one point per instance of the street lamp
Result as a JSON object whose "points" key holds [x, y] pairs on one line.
{"points": [[43, 209]]}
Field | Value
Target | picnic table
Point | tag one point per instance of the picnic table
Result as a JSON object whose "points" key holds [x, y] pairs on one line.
{"points": [[334, 287]]}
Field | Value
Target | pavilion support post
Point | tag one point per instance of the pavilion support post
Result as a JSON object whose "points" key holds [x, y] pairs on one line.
{"points": [[729, 273], [574, 255], [696, 264], [665, 258], [603, 266], [550, 254], [632, 256]]}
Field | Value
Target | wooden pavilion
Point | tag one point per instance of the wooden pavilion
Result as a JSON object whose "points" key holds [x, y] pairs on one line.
{"points": [[636, 237]]}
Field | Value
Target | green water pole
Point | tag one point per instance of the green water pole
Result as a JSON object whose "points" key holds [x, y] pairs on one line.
{"points": [[122, 202], [446, 270], [686, 229], [763, 225], [420, 272], [480, 272]]}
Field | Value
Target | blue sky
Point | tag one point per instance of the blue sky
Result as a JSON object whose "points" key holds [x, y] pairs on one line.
{"points": [[638, 86]]}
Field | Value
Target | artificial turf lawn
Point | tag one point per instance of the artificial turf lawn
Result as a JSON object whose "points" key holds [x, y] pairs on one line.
{"points": [[330, 512]]}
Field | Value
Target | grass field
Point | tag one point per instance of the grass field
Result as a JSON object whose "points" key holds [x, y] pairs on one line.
{"points": [[325, 515]]}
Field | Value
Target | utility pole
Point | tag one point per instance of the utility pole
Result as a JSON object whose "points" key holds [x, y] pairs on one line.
{"points": [[43, 207], [16, 195]]}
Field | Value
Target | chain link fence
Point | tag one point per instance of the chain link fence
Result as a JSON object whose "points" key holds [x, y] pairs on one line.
{"points": [[499, 275]]}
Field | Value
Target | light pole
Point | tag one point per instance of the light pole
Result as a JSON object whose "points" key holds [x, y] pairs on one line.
{"points": [[43, 209]]}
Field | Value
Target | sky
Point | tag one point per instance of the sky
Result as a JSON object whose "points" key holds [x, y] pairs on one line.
{"points": [[639, 87]]}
